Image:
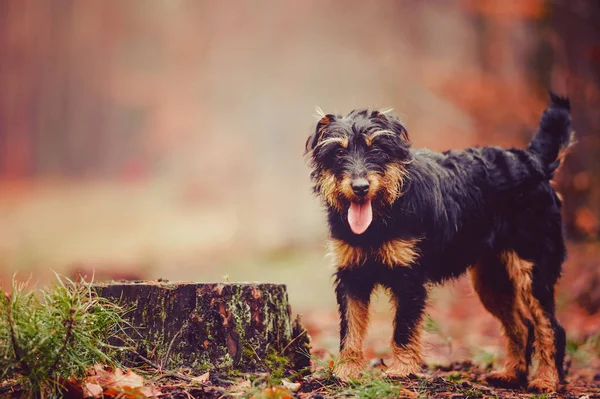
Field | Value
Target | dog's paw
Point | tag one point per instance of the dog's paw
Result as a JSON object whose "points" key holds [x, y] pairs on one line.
{"points": [[349, 369], [543, 385], [403, 370], [502, 379]]}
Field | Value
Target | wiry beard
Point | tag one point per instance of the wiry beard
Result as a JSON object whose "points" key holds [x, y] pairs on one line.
{"points": [[384, 189]]}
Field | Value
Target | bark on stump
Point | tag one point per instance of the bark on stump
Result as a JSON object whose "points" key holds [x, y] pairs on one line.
{"points": [[222, 326]]}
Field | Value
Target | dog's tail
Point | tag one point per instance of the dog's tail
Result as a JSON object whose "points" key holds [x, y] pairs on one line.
{"points": [[554, 136]]}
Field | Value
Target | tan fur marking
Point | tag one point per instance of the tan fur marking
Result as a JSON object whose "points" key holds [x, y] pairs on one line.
{"points": [[343, 141], [350, 365], [546, 376], [323, 122], [392, 182], [328, 189], [516, 334], [392, 253], [500, 298], [345, 255], [407, 359], [398, 252], [374, 179], [389, 184], [351, 358], [345, 187], [357, 314], [369, 139]]}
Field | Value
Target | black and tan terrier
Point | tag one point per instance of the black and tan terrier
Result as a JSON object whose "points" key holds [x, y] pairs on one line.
{"points": [[405, 218]]}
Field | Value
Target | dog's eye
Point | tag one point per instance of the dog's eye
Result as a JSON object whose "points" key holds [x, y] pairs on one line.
{"points": [[339, 152]]}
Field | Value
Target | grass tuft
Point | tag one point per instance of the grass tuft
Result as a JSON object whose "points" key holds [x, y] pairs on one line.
{"points": [[53, 335], [371, 386], [583, 352]]}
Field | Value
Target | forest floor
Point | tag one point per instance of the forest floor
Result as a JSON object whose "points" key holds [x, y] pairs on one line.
{"points": [[457, 380]]}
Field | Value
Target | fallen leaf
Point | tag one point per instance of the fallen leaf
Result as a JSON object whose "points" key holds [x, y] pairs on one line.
{"points": [[149, 391], [245, 384], [274, 393], [103, 381], [292, 386], [406, 393], [92, 390], [202, 378]]}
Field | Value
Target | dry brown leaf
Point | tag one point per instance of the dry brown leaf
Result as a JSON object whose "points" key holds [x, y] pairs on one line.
{"points": [[292, 386], [274, 393], [93, 390], [149, 391], [128, 379], [103, 381], [245, 384], [407, 393], [202, 378]]}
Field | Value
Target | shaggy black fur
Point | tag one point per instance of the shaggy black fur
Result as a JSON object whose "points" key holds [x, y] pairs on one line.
{"points": [[463, 206]]}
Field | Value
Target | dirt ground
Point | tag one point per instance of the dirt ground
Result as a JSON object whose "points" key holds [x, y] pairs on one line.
{"points": [[456, 380]]}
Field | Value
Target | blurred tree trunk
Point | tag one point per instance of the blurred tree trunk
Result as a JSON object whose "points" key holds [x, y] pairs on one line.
{"points": [[19, 53], [576, 71]]}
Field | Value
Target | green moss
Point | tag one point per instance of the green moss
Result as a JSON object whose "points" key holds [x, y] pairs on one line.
{"points": [[454, 377], [472, 393], [275, 365], [583, 352], [239, 311], [371, 386], [226, 362], [276, 313]]}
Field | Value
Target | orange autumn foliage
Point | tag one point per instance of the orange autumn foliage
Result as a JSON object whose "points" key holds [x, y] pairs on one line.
{"points": [[507, 9]]}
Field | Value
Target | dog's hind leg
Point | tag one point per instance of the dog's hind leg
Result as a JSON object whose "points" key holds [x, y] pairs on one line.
{"points": [[536, 287], [498, 293]]}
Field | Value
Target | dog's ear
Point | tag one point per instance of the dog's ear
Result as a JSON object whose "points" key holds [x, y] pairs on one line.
{"points": [[313, 140], [390, 122]]}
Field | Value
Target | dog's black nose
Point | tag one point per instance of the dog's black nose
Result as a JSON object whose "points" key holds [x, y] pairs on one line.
{"points": [[360, 187]]}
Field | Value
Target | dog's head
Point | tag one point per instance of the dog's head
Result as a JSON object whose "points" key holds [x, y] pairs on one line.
{"points": [[358, 163]]}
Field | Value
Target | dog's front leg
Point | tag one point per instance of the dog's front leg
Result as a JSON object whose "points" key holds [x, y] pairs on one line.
{"points": [[353, 297], [409, 300]]}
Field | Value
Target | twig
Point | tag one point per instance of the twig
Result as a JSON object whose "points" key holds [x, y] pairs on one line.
{"points": [[13, 337], [158, 368], [165, 359], [293, 340], [69, 323]]}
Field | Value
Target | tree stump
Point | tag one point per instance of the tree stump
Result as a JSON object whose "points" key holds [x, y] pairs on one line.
{"points": [[217, 326]]}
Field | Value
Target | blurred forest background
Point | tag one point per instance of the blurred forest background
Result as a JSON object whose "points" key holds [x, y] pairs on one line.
{"points": [[165, 138]]}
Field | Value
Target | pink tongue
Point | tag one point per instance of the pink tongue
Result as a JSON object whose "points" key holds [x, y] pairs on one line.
{"points": [[360, 217]]}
